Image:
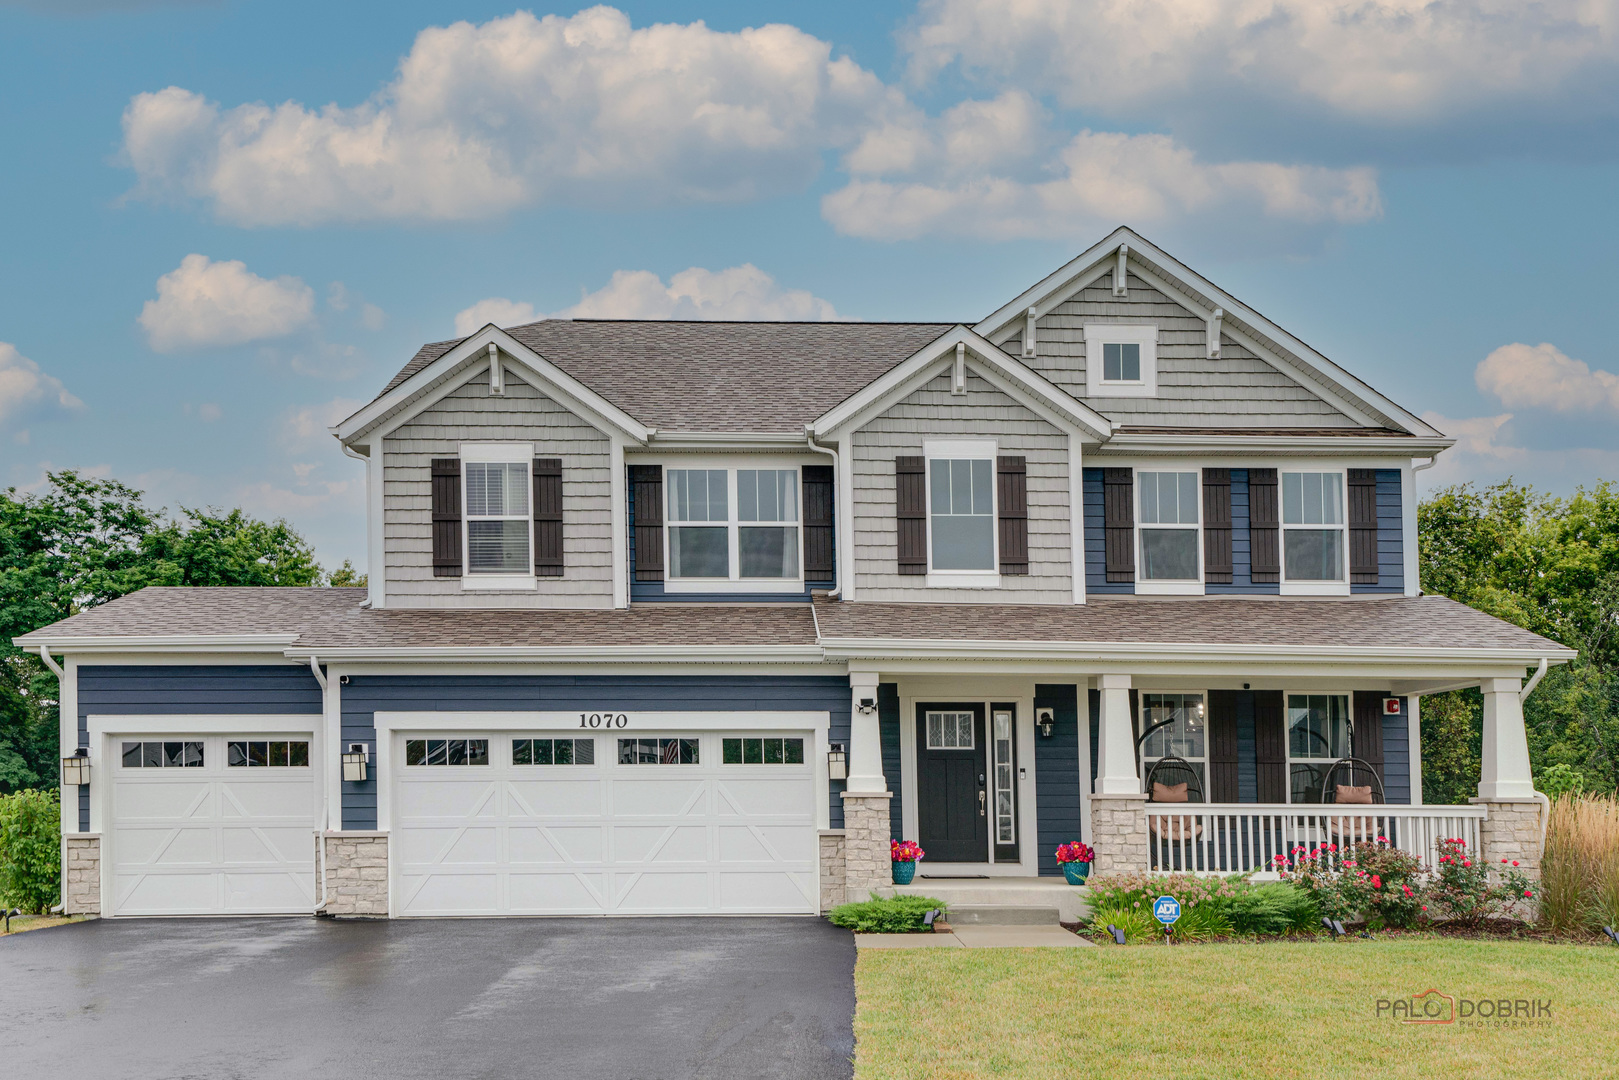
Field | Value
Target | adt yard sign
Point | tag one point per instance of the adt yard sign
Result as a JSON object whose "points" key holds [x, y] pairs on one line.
{"points": [[1166, 909]]}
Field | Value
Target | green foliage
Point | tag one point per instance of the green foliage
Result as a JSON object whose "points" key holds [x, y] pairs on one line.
{"points": [[1463, 890], [1211, 907], [1372, 880], [1560, 779], [1139, 927], [1276, 907], [30, 852], [1452, 740], [895, 915], [346, 576], [82, 542]]}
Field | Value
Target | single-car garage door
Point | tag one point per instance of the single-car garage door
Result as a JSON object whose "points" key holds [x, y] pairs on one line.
{"points": [[549, 824], [212, 825]]}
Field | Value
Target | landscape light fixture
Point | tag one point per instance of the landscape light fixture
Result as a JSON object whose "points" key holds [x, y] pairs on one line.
{"points": [[354, 762], [1118, 935], [76, 769], [837, 763]]}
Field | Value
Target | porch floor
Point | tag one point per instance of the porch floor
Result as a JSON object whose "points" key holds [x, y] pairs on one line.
{"points": [[1001, 901]]}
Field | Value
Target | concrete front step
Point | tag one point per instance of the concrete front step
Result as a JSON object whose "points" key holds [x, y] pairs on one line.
{"points": [[1005, 901]]}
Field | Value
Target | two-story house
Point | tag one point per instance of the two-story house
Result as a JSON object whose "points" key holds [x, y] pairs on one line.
{"points": [[693, 617]]}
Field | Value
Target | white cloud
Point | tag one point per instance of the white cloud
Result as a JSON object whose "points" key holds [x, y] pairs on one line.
{"points": [[495, 309], [26, 390], [1488, 450], [1383, 60], [983, 170], [740, 292], [304, 427], [1541, 375], [482, 119], [203, 303]]}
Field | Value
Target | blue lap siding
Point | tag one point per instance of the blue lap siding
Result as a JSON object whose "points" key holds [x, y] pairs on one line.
{"points": [[1056, 774], [194, 690], [888, 724], [1390, 537], [1397, 756], [365, 695]]}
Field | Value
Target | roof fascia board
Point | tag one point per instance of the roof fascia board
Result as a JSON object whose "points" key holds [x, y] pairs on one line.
{"points": [[1054, 299], [569, 391], [960, 649], [1059, 281], [155, 642], [610, 654], [1403, 446], [764, 442], [1030, 389]]}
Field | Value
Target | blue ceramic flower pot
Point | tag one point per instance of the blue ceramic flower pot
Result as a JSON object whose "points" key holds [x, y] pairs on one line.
{"points": [[1076, 872], [904, 872]]}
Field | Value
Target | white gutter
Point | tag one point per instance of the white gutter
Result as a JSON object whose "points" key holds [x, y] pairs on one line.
{"points": [[911, 648], [45, 655], [157, 642], [614, 654], [1286, 446]]}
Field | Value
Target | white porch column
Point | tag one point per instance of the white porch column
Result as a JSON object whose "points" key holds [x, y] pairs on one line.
{"points": [[865, 741], [1505, 772], [1116, 772]]}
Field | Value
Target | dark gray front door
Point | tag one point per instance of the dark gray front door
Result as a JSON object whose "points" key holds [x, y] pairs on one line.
{"points": [[952, 783]]}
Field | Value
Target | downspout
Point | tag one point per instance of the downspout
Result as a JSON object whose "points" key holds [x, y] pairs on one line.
{"points": [[325, 793], [1430, 463], [45, 655], [1540, 797], [837, 478]]}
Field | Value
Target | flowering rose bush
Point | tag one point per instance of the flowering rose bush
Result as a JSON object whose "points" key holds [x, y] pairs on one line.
{"points": [[1464, 890], [905, 850], [1371, 878], [1075, 852]]}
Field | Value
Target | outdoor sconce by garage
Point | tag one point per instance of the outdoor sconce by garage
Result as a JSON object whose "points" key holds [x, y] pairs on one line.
{"points": [[837, 763], [354, 763], [76, 769], [1044, 719]]}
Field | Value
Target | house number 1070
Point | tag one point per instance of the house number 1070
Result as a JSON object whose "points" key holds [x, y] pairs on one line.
{"points": [[601, 720]]}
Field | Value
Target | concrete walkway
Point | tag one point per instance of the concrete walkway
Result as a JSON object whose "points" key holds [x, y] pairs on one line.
{"points": [[979, 937]]}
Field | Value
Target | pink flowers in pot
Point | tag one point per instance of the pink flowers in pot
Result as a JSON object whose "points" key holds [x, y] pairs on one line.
{"points": [[1076, 852], [905, 850]]}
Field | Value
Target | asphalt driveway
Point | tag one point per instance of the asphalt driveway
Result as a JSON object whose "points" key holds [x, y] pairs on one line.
{"points": [[629, 999]]}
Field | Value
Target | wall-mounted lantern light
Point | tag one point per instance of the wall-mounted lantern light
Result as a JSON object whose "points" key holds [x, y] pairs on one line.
{"points": [[354, 763], [76, 769], [837, 763], [1044, 719], [867, 706]]}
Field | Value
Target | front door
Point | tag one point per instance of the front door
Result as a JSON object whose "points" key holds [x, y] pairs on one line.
{"points": [[952, 783]]}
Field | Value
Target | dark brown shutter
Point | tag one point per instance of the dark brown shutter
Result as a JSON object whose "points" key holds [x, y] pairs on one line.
{"points": [[1119, 523], [548, 517], [1264, 527], [447, 517], [1217, 530], [1363, 526], [1012, 513], [1367, 742], [1270, 745], [646, 488], [1222, 735], [911, 513], [819, 556]]}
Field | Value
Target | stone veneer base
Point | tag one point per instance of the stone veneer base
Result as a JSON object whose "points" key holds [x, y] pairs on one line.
{"points": [[356, 875], [1512, 829], [1119, 833], [81, 876], [833, 869], [867, 863]]}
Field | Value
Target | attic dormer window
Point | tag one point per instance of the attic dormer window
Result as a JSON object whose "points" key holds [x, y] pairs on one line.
{"points": [[1121, 360]]}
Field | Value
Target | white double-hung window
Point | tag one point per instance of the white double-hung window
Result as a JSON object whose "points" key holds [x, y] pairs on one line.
{"points": [[734, 530], [1169, 532], [496, 488], [961, 513], [1313, 543]]}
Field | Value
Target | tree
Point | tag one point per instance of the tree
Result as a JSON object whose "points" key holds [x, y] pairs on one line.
{"points": [[83, 542], [346, 576]]}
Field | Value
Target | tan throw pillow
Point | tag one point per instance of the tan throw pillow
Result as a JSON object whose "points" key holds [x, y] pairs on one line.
{"points": [[1176, 792], [1349, 793]]}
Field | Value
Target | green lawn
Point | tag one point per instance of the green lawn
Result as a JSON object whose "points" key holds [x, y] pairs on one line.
{"points": [[1284, 1009]]}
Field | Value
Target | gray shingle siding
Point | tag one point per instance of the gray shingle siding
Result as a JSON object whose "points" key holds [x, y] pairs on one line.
{"points": [[1094, 518], [1057, 793], [365, 695], [1390, 536], [198, 690], [522, 414]]}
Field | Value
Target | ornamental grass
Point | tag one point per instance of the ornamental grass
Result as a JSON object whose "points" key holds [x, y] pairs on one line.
{"points": [[1579, 869]]}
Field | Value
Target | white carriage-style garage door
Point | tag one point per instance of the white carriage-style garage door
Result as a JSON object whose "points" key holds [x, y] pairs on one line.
{"points": [[212, 825], [619, 824]]}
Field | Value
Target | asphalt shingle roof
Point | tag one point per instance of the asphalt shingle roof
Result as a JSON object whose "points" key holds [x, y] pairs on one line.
{"points": [[715, 376]]}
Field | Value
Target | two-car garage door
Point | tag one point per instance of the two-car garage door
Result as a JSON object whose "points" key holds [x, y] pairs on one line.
{"points": [[546, 824]]}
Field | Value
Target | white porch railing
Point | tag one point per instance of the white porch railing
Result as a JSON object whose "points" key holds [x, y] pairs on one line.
{"points": [[1229, 838]]}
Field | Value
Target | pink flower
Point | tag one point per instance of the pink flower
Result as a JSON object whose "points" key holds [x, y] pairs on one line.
{"points": [[1526, 892], [1467, 862], [1377, 882], [1514, 862]]}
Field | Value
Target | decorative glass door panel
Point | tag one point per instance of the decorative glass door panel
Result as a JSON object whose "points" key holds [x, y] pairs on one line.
{"points": [[1003, 748]]}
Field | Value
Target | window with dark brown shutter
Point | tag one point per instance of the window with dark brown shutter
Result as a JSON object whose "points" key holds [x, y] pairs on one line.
{"points": [[548, 517], [1222, 746], [646, 488], [1012, 509], [1119, 523], [446, 517], [1366, 739], [911, 513], [819, 553], [1363, 526], [1264, 527], [1217, 528], [1270, 746]]}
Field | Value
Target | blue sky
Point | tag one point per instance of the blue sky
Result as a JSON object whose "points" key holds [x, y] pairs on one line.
{"points": [[223, 225]]}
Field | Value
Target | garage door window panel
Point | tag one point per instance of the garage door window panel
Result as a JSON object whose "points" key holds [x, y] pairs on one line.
{"points": [[252, 753], [658, 751], [553, 751], [446, 752], [762, 751], [166, 754]]}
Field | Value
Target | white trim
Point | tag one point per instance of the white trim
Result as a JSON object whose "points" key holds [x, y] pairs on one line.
{"points": [[963, 579], [734, 586], [510, 453], [67, 732], [843, 524], [960, 448], [1411, 568], [1250, 445], [1076, 516], [499, 582], [1413, 734], [1098, 335], [617, 481]]}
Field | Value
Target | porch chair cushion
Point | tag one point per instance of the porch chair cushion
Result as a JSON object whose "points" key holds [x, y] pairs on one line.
{"points": [[1350, 793], [1176, 829], [1168, 792]]}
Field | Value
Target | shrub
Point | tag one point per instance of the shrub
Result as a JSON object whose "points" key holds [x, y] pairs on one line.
{"points": [[1579, 869], [1372, 879], [1463, 891], [30, 849], [1210, 906], [895, 915], [1276, 907]]}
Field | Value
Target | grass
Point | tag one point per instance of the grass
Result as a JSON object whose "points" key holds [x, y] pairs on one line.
{"points": [[20, 923], [1301, 1009]]}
